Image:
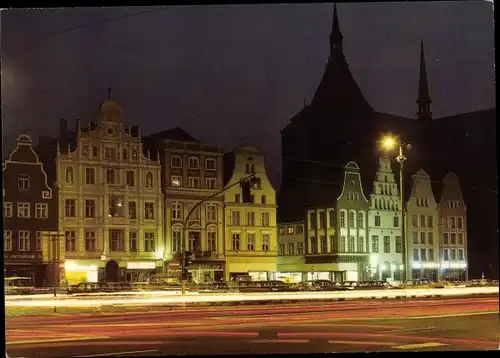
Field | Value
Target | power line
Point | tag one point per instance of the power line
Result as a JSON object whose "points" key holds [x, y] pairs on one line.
{"points": [[78, 27]]}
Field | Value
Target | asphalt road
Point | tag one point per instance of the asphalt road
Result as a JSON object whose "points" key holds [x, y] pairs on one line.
{"points": [[306, 327]]}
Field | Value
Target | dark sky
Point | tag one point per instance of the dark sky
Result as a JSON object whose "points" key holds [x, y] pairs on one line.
{"points": [[236, 74]]}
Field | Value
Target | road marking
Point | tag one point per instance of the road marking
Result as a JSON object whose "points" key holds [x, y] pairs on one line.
{"points": [[363, 343], [55, 340], [408, 330], [116, 353], [453, 315], [279, 341], [420, 345], [152, 324]]}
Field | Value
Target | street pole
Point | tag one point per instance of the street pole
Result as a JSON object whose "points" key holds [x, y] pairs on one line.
{"points": [[401, 159], [183, 260]]}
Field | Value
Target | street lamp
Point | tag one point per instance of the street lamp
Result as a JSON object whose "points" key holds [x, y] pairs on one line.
{"points": [[389, 143]]}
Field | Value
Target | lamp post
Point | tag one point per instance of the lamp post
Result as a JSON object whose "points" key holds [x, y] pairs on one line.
{"points": [[389, 143], [252, 180], [54, 249]]}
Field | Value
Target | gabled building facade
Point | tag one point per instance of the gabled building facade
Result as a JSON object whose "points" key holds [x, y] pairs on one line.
{"points": [[191, 172], [30, 214], [291, 249], [452, 230], [384, 225], [422, 230], [250, 223]]}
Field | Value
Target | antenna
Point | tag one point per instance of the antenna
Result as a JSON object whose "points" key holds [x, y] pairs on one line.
{"points": [[109, 89]]}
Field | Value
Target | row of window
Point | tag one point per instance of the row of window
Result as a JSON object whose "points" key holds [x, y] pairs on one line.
{"points": [[23, 240], [116, 241], [263, 199], [385, 204], [113, 176], [291, 230], [236, 219], [354, 221], [193, 244], [109, 153], [178, 214], [193, 162], [251, 242], [448, 221], [116, 208], [428, 255], [193, 182], [290, 249], [24, 210], [352, 245]]}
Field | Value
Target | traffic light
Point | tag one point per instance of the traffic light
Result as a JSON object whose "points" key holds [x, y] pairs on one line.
{"points": [[246, 188], [188, 258]]}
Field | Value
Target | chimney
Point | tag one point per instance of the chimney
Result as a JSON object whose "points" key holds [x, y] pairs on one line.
{"points": [[63, 127]]}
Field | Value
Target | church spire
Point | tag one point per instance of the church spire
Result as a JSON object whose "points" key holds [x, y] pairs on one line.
{"points": [[423, 99], [336, 36]]}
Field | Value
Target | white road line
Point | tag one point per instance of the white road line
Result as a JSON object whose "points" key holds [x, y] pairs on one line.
{"points": [[362, 343], [408, 330], [279, 341], [116, 353], [420, 345]]}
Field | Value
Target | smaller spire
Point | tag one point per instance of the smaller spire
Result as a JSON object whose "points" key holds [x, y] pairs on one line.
{"points": [[109, 89], [336, 37], [424, 98]]}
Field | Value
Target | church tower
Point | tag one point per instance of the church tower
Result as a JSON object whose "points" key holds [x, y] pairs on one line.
{"points": [[424, 98]]}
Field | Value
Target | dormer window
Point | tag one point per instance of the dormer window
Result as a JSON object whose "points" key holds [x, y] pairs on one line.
{"points": [[175, 161], [194, 163], [23, 182], [210, 164], [69, 175]]}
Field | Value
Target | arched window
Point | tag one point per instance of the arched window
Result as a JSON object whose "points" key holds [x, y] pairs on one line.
{"points": [[69, 175], [194, 163], [210, 164], [361, 220], [149, 180], [342, 218], [351, 218]]}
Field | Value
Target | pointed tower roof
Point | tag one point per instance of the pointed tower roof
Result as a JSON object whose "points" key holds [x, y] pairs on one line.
{"points": [[338, 91], [424, 98]]}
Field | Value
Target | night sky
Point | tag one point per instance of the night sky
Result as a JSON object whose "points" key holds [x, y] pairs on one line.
{"points": [[236, 74]]}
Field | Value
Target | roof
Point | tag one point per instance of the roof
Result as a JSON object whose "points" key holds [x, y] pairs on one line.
{"points": [[176, 133]]}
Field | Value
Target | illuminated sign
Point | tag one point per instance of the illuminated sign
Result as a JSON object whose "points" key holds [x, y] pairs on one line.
{"points": [[72, 266], [22, 256], [141, 265]]}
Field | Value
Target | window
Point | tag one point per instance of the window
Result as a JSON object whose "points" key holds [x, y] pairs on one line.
{"points": [[342, 218], [430, 255], [282, 230], [90, 241], [377, 220], [125, 154], [235, 218], [251, 218], [387, 244], [24, 240], [399, 244], [460, 238], [23, 210], [212, 241], [414, 220], [194, 163], [115, 240], [95, 152], [149, 211], [249, 168], [342, 244], [149, 241], [265, 219], [430, 222], [312, 220], [290, 230], [375, 244], [291, 249], [7, 240], [396, 221], [324, 244], [70, 178], [7, 210], [110, 176], [321, 220], [423, 256], [445, 238], [314, 245], [331, 218], [430, 237], [452, 222], [132, 210], [460, 254], [210, 164], [175, 161], [351, 243], [41, 211], [252, 199], [422, 220], [85, 150], [194, 182], [177, 240], [446, 254], [211, 211], [115, 203], [176, 180], [263, 199], [134, 153], [460, 222], [109, 153], [453, 238], [453, 254], [415, 254], [90, 208], [422, 238], [361, 220], [70, 237], [132, 241], [251, 242], [299, 230], [237, 198], [90, 176], [415, 238], [333, 244], [266, 242], [445, 223], [300, 248], [176, 211], [281, 250], [351, 218], [149, 180], [39, 241], [130, 178], [236, 242], [211, 183], [361, 244], [70, 208]]}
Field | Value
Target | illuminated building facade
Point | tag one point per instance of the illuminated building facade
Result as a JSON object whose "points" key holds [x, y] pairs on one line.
{"points": [[422, 230], [291, 252], [191, 172], [452, 230], [250, 223], [109, 199], [29, 213], [384, 225]]}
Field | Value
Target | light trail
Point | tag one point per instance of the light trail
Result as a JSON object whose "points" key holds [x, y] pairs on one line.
{"points": [[238, 297]]}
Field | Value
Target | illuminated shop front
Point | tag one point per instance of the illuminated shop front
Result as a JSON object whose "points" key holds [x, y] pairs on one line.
{"points": [[454, 271], [139, 271], [425, 271], [79, 271], [289, 277], [207, 272]]}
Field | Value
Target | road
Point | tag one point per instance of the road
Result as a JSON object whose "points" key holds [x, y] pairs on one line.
{"points": [[306, 327]]}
